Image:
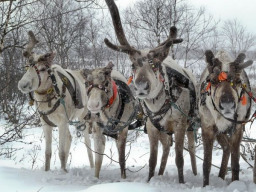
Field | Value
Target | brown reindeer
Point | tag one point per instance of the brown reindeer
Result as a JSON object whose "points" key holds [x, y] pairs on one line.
{"points": [[166, 92], [112, 107], [224, 107], [254, 169], [54, 86]]}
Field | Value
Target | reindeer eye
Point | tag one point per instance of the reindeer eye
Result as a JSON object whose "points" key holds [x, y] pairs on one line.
{"points": [[42, 70], [100, 86]]}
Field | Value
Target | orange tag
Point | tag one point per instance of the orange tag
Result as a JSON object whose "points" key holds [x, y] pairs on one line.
{"points": [[243, 100], [223, 76], [208, 86], [129, 80]]}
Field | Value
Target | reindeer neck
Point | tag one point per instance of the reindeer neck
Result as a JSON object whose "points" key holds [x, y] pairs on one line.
{"points": [[112, 111], [155, 104], [44, 90]]}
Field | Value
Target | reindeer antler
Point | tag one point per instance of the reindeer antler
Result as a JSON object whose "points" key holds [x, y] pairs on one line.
{"points": [[172, 39], [32, 42], [214, 64], [238, 65], [168, 42], [125, 46]]}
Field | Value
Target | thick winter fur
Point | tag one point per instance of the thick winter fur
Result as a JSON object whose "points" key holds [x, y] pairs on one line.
{"points": [[97, 101], [60, 117], [227, 103]]}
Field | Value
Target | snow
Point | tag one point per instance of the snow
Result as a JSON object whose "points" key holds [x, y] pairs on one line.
{"points": [[20, 174]]}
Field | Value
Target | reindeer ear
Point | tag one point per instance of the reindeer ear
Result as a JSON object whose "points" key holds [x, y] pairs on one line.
{"points": [[47, 58], [86, 72], [110, 65], [108, 69], [209, 57]]}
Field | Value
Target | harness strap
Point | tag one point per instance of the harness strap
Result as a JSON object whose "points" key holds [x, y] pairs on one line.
{"points": [[38, 74], [47, 121], [55, 106], [125, 96], [72, 90], [54, 82], [112, 99], [155, 118]]}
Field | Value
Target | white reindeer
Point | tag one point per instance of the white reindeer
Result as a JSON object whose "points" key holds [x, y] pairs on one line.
{"points": [[167, 92], [60, 97], [112, 104]]}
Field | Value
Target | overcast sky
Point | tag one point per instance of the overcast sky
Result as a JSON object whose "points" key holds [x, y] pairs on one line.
{"points": [[243, 10]]}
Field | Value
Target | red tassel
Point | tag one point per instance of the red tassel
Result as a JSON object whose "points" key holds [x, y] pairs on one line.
{"points": [[208, 86], [223, 76], [129, 80], [243, 100]]}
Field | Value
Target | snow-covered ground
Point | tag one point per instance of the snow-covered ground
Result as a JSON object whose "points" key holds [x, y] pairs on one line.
{"points": [[23, 172]]}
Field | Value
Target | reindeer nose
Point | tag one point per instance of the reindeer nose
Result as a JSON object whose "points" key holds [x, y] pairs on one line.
{"points": [[227, 102], [142, 85], [94, 105], [24, 86]]}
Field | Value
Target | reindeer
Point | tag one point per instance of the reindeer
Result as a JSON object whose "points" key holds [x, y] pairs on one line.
{"points": [[254, 169], [224, 108], [112, 107], [167, 94], [58, 95]]}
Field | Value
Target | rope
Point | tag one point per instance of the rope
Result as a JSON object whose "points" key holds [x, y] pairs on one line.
{"points": [[195, 125], [112, 121], [74, 123]]}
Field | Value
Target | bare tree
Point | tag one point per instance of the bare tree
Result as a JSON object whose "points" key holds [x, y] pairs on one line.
{"points": [[154, 18], [236, 37]]}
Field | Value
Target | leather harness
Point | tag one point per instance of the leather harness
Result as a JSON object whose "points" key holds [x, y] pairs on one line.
{"points": [[176, 80], [73, 91], [125, 96]]}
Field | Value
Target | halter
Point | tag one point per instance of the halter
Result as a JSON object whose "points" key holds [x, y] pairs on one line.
{"points": [[156, 117], [103, 88], [32, 63], [222, 77]]}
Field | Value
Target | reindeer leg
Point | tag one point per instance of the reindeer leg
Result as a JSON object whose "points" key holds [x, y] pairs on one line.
{"points": [[64, 145], [179, 144], [48, 146], [166, 143], [153, 135], [87, 142], [121, 141], [191, 149], [235, 152], [254, 169], [99, 146], [208, 139], [223, 141]]}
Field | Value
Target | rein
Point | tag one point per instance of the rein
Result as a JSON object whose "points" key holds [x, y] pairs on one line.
{"points": [[242, 98]]}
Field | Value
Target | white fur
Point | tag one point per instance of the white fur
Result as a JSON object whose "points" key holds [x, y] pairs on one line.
{"points": [[59, 116]]}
